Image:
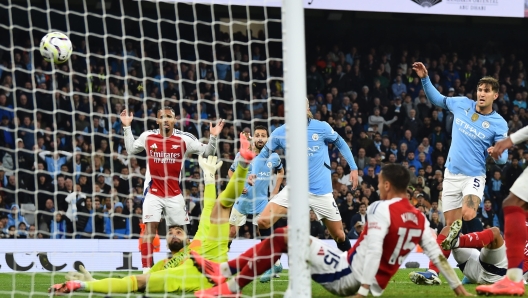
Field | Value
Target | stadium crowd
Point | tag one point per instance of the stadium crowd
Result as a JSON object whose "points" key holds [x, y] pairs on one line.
{"points": [[64, 167]]}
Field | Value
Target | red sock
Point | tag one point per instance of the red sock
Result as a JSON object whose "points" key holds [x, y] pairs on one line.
{"points": [[266, 253], [476, 239], [514, 235], [147, 258], [242, 260], [446, 253]]}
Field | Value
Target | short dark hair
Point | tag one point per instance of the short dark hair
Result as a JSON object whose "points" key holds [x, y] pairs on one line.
{"points": [[168, 108], [490, 81], [363, 204], [398, 176], [261, 127]]}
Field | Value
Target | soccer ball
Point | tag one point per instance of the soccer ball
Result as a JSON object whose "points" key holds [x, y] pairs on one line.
{"points": [[56, 47]]}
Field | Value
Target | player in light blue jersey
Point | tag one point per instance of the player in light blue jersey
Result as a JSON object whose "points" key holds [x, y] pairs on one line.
{"points": [[254, 198], [476, 127], [321, 200]]}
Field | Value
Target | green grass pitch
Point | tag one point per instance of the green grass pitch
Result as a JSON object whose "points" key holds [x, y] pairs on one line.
{"points": [[25, 285]]}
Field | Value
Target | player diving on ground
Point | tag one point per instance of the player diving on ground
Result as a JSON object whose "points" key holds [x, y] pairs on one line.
{"points": [[211, 239]]}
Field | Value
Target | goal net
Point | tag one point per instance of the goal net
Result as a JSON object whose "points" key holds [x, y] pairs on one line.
{"points": [[70, 194]]}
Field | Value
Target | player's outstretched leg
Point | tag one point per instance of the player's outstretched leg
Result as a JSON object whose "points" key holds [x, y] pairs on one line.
{"points": [[514, 208], [272, 272], [127, 284], [452, 237], [430, 277], [250, 264]]}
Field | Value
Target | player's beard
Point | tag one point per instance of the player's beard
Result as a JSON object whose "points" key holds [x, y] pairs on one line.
{"points": [[258, 146], [175, 246]]}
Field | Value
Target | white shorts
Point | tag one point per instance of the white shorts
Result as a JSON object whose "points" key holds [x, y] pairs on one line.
{"points": [[324, 206], [520, 186], [485, 267], [457, 186], [238, 219], [174, 209], [330, 268]]}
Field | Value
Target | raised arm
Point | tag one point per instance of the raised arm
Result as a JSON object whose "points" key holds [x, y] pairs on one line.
{"points": [[42, 154], [68, 155], [196, 147], [132, 145], [430, 91]]}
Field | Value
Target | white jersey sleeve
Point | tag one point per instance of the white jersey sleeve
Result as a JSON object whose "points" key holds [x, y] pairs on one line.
{"points": [[432, 250], [134, 146], [377, 228], [193, 146], [520, 136]]}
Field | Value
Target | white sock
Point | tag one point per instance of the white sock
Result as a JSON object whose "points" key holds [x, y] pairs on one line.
{"points": [[515, 274], [225, 270], [83, 286], [278, 263], [233, 286]]}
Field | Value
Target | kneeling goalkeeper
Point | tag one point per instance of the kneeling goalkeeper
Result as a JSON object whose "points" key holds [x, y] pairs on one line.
{"points": [[179, 274]]}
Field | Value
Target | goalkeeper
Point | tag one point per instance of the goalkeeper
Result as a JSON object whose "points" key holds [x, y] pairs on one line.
{"points": [[179, 274]]}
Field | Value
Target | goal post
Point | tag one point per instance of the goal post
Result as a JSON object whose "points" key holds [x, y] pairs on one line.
{"points": [[296, 133], [231, 59]]}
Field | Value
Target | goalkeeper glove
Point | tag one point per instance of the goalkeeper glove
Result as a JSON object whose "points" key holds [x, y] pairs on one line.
{"points": [[209, 167], [82, 275]]}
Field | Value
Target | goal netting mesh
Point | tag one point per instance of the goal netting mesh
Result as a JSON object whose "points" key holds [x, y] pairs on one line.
{"points": [[64, 166]]}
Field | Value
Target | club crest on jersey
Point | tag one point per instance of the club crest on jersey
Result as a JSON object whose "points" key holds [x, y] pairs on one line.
{"points": [[154, 147], [175, 146], [269, 164], [315, 137], [485, 124], [409, 216]]}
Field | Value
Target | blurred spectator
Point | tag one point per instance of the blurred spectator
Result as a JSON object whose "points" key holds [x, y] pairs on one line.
{"points": [[15, 217], [487, 215], [356, 231], [316, 227], [58, 227], [117, 225], [435, 222]]}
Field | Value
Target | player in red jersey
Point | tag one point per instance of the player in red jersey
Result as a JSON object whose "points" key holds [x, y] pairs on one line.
{"points": [[394, 228], [515, 208], [166, 150]]}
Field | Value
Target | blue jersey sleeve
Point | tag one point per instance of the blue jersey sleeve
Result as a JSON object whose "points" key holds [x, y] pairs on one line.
{"points": [[331, 136], [233, 166], [502, 133], [437, 98], [276, 162]]}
